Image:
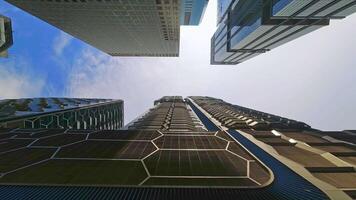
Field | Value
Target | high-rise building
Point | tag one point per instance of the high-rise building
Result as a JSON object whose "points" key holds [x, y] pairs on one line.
{"points": [[192, 11], [248, 28], [121, 28], [62, 113], [325, 159], [6, 39], [194, 148]]}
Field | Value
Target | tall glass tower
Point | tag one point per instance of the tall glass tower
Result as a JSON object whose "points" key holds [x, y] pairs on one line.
{"points": [[6, 39], [121, 28], [192, 11], [249, 28]]}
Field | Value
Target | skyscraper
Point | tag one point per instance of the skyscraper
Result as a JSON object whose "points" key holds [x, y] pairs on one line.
{"points": [[325, 159], [63, 113], [248, 28], [192, 11], [194, 148], [121, 28], [6, 39]]}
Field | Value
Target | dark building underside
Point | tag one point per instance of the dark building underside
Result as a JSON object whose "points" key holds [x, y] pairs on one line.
{"points": [[177, 150]]}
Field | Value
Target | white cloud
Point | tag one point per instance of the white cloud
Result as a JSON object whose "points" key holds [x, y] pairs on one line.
{"points": [[309, 79], [18, 83], [61, 42]]}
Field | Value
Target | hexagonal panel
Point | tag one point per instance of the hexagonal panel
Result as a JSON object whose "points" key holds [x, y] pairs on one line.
{"points": [[125, 135], [195, 163], [107, 149], [10, 144], [60, 140], [16, 159], [190, 142], [96, 172]]}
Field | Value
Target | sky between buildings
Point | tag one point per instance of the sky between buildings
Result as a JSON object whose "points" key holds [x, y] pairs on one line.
{"points": [[311, 79]]}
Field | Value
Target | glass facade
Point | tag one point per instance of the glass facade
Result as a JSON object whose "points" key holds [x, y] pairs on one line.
{"points": [[63, 113], [6, 39], [192, 11], [278, 5], [222, 8], [121, 28], [249, 28]]}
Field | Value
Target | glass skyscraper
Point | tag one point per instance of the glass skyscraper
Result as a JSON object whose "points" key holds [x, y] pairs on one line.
{"points": [[63, 113], [121, 28], [193, 148], [248, 28], [192, 11], [6, 39], [118, 28]]}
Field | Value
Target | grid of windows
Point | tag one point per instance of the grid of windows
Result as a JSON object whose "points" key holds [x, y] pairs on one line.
{"points": [[168, 14], [249, 28], [119, 28]]}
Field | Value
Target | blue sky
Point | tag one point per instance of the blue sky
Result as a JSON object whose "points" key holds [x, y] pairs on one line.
{"points": [[311, 79], [44, 51]]}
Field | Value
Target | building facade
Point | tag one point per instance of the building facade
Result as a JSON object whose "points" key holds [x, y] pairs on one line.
{"points": [[6, 39], [192, 11], [62, 113], [193, 148], [121, 28], [249, 28], [118, 28]]}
